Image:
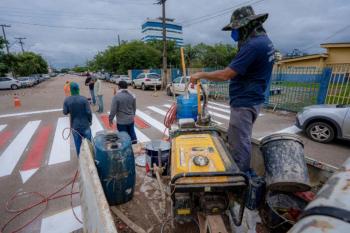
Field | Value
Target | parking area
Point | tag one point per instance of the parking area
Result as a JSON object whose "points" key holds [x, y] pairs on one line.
{"points": [[34, 157]]}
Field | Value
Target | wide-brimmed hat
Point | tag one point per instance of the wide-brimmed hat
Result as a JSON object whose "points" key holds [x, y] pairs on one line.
{"points": [[243, 16]]}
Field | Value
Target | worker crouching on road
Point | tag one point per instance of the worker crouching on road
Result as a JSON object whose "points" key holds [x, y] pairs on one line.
{"points": [[80, 115], [124, 107], [249, 74], [66, 88]]}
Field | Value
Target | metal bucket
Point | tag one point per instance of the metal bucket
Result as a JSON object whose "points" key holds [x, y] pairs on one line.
{"points": [[157, 152], [276, 215], [285, 167]]}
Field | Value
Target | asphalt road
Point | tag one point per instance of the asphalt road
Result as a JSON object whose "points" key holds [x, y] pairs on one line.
{"points": [[35, 158]]}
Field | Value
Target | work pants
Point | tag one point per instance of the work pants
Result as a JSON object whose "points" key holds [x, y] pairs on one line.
{"points": [[78, 135], [93, 98], [130, 129], [100, 103], [240, 133]]}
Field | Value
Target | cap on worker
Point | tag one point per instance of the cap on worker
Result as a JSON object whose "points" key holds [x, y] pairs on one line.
{"points": [[74, 88], [243, 16]]}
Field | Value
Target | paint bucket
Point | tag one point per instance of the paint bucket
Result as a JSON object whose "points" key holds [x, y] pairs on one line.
{"points": [[157, 150], [285, 167], [187, 107], [277, 214], [331, 208]]}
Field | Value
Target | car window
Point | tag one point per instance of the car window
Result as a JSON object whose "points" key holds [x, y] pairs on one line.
{"points": [[6, 79], [2, 79], [141, 76], [154, 76], [177, 80]]}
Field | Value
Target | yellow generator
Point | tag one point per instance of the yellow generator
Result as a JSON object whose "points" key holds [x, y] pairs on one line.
{"points": [[204, 177]]}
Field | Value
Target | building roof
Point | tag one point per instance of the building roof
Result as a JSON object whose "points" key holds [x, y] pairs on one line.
{"points": [[336, 45], [301, 58]]}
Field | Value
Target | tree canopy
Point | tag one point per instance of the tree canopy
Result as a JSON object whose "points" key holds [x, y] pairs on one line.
{"points": [[140, 55]]}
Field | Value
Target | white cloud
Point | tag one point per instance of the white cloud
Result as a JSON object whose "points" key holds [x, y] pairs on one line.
{"points": [[291, 23]]}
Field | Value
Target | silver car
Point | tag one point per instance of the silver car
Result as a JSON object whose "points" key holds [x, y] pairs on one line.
{"points": [[323, 123], [147, 80], [26, 81], [9, 83]]}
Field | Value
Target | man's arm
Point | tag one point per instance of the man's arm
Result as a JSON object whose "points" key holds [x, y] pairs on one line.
{"points": [[219, 75], [88, 111], [65, 107], [114, 107], [134, 105]]}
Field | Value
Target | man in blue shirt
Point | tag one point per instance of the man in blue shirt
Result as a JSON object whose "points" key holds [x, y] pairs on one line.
{"points": [[80, 115], [249, 74]]}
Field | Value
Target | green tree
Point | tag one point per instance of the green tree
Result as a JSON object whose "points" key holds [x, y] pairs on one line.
{"points": [[80, 69], [29, 63], [4, 68]]}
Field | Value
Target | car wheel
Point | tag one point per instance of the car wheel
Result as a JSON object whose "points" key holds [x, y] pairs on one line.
{"points": [[143, 87], [320, 132], [168, 92], [133, 85], [14, 87]]}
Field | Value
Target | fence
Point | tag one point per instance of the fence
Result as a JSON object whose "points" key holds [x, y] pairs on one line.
{"points": [[290, 88]]}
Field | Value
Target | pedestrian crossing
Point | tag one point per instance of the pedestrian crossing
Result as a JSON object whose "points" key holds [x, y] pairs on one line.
{"points": [[43, 144]]}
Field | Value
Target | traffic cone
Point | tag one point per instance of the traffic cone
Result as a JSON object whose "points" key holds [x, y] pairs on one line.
{"points": [[17, 102]]}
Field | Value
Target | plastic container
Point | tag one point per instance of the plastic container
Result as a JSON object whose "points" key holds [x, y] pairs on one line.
{"points": [[115, 164], [285, 165], [154, 150], [187, 108]]}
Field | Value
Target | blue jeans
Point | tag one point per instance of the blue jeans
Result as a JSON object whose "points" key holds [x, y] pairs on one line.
{"points": [[93, 96], [130, 129], [240, 133], [85, 133], [100, 103]]}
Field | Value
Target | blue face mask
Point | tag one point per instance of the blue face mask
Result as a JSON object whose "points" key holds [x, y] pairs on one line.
{"points": [[235, 34]]}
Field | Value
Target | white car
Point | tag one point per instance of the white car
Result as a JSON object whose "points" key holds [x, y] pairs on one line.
{"points": [[179, 84], [9, 83], [147, 80], [125, 78], [26, 81]]}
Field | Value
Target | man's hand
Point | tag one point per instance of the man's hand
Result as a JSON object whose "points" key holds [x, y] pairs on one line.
{"points": [[195, 77], [111, 124]]}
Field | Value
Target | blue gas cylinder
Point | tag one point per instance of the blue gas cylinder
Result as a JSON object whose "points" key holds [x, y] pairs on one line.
{"points": [[115, 164], [187, 107]]}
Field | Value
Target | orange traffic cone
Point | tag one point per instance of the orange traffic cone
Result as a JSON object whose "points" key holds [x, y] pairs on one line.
{"points": [[17, 102]]}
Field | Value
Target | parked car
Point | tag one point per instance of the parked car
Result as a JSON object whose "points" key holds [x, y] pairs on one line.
{"points": [[147, 80], [114, 79], [323, 123], [179, 84], [123, 78], [9, 83], [26, 81]]}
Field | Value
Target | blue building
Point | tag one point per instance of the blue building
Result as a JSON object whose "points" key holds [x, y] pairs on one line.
{"points": [[152, 29]]}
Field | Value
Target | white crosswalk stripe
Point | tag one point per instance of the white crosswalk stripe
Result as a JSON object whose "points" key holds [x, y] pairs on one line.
{"points": [[219, 109], [141, 137], [220, 105], [2, 127], [219, 115], [157, 110], [60, 151], [156, 124], [12, 154]]}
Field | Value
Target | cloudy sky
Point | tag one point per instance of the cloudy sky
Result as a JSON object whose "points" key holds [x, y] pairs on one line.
{"points": [[70, 32]]}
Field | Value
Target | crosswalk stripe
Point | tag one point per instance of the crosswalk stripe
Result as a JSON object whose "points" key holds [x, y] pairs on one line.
{"points": [[219, 109], [30, 113], [157, 110], [141, 137], [36, 153], [2, 127], [60, 151], [219, 115], [63, 222], [220, 105], [96, 125], [156, 124], [14, 151], [217, 122]]}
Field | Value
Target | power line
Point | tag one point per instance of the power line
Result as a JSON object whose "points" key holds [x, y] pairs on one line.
{"points": [[327, 38], [72, 27]]}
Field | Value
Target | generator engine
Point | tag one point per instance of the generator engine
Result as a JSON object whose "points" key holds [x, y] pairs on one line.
{"points": [[204, 178]]}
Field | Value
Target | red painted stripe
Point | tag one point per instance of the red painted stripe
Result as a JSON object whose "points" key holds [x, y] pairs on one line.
{"points": [[105, 121], [141, 123], [37, 150], [5, 137]]}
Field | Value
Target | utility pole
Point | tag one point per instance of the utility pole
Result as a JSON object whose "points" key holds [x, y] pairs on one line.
{"points": [[21, 42], [4, 34], [118, 40], [165, 55]]}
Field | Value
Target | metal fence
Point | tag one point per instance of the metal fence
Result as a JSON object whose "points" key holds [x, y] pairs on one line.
{"points": [[338, 91]]}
